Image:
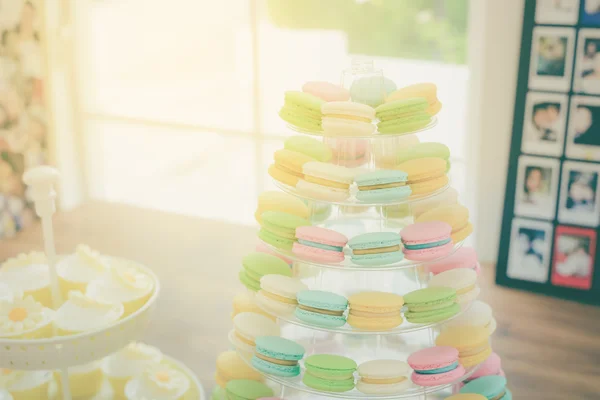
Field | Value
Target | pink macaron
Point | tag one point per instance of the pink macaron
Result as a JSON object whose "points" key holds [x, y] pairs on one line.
{"points": [[465, 257], [326, 91], [319, 244], [425, 241], [263, 248], [491, 366], [435, 366]]}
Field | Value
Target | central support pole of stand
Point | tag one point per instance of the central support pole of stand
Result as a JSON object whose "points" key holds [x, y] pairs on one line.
{"points": [[41, 181]]}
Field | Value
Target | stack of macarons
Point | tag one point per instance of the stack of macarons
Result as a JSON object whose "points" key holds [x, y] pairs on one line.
{"points": [[455, 215], [321, 308], [435, 366], [382, 186], [319, 244], [376, 248], [430, 305], [256, 265], [326, 91], [427, 91], [277, 356], [278, 293], [463, 280], [278, 229], [425, 175], [464, 257], [302, 110], [329, 373], [375, 311], [402, 116], [383, 377], [426, 241], [323, 181], [473, 343], [371, 90], [345, 118]]}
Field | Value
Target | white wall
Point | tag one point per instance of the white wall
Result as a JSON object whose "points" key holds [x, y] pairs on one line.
{"points": [[494, 48]]}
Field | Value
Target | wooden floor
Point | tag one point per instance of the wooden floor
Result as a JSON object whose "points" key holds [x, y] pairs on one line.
{"points": [[550, 348]]}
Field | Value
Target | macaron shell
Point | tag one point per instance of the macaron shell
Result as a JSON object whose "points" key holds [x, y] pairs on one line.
{"points": [[455, 278], [263, 248], [375, 323], [330, 365], [275, 241], [284, 286], [280, 201], [374, 240], [383, 369], [246, 389], [488, 386], [328, 385], [291, 160], [438, 379], [428, 317], [422, 150], [429, 186], [252, 325], [462, 234], [425, 232], [321, 320], [318, 255], [326, 91], [378, 259], [322, 300], [330, 172], [469, 297], [382, 302], [321, 235], [282, 176], [309, 146], [384, 195], [319, 192], [274, 306], [285, 371], [381, 389], [491, 366], [405, 125], [476, 359], [463, 337], [279, 348], [464, 257], [347, 128], [230, 366]]}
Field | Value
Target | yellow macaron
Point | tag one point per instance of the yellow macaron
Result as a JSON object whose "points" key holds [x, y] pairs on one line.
{"points": [[425, 175], [287, 168], [455, 215], [280, 201], [246, 302], [375, 311], [472, 343], [230, 367], [428, 91]]}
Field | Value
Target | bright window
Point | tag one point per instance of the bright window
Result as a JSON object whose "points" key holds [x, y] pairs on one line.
{"points": [[180, 98]]}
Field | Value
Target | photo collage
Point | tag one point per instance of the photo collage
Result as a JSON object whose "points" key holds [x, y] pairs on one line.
{"points": [[23, 120], [552, 219]]}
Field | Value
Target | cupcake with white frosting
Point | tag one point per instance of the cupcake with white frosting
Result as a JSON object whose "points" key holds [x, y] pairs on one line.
{"points": [[81, 313], [128, 363], [26, 385], [85, 380], [126, 283], [30, 274], [25, 318], [80, 268], [158, 382]]}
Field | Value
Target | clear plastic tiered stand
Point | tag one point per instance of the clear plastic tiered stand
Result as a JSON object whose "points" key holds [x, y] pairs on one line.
{"points": [[352, 217], [62, 352]]}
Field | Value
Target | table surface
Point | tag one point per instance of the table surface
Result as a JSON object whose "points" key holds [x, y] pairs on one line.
{"points": [[550, 348]]}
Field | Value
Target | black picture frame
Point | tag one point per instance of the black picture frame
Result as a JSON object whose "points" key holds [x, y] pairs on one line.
{"points": [[591, 296]]}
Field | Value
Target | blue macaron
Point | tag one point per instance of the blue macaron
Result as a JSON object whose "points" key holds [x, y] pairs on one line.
{"points": [[275, 355], [382, 186], [319, 308], [492, 387], [376, 248]]}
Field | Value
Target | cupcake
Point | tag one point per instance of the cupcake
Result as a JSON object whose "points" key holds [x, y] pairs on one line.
{"points": [[127, 284], [85, 380], [158, 382], [25, 318], [26, 385], [128, 363], [81, 313], [79, 269], [30, 274]]}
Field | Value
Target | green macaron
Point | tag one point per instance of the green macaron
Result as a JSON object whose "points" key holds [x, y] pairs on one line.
{"points": [[279, 228], [244, 389], [311, 147], [403, 116], [430, 305], [256, 265], [424, 150], [302, 110], [329, 373]]}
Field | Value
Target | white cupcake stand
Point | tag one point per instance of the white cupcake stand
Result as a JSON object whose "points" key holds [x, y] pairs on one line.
{"points": [[62, 352]]}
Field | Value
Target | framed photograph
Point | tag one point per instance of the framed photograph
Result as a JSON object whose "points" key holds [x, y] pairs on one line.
{"points": [[590, 13], [583, 138], [587, 63], [545, 123], [551, 63], [573, 261], [537, 187], [558, 12], [579, 194], [529, 252]]}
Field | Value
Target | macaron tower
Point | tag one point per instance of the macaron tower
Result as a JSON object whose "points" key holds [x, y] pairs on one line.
{"points": [[360, 287]]}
